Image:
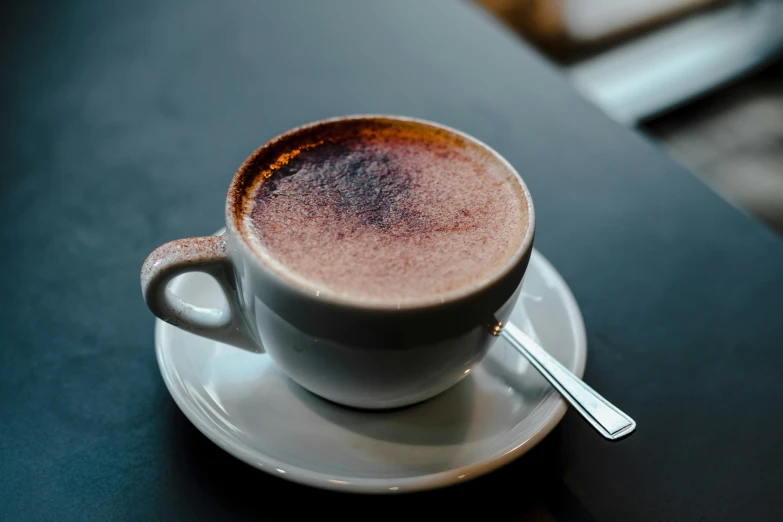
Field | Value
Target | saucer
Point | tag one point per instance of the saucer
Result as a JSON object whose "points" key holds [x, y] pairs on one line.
{"points": [[248, 407]]}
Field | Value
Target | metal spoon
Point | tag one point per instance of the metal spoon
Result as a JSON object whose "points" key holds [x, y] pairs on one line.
{"points": [[606, 418]]}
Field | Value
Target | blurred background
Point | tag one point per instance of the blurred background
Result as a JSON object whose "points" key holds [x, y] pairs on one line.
{"points": [[701, 77]]}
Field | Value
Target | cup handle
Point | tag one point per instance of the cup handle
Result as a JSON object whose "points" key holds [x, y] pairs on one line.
{"points": [[196, 254]]}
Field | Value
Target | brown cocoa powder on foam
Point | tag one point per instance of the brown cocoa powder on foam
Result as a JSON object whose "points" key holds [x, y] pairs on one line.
{"points": [[386, 216]]}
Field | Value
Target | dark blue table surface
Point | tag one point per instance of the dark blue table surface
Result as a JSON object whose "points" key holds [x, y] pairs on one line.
{"points": [[122, 124]]}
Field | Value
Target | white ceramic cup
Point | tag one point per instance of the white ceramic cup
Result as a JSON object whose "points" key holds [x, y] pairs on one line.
{"points": [[358, 355]]}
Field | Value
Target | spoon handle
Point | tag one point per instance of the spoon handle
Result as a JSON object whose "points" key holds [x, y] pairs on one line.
{"points": [[606, 418]]}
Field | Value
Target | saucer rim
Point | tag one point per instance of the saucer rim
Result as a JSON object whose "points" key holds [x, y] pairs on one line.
{"points": [[391, 485]]}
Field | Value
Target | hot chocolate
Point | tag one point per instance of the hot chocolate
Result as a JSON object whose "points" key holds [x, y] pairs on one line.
{"points": [[383, 211]]}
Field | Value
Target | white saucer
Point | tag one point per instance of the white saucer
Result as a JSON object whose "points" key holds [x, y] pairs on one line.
{"points": [[244, 404]]}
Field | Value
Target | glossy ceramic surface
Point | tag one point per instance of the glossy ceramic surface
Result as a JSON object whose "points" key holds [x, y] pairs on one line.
{"points": [[245, 404], [363, 354]]}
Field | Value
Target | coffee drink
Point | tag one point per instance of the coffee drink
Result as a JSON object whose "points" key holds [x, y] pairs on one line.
{"points": [[367, 255], [383, 212]]}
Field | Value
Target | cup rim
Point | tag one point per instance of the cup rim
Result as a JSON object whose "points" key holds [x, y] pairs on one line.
{"points": [[237, 194]]}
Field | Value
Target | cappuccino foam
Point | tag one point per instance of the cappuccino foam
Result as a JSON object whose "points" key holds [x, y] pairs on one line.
{"points": [[384, 212]]}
